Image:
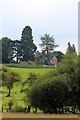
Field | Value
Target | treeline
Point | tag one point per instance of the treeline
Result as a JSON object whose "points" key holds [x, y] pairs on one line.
{"points": [[25, 49], [22, 49]]}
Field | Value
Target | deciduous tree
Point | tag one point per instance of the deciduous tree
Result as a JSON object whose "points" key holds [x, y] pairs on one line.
{"points": [[8, 79]]}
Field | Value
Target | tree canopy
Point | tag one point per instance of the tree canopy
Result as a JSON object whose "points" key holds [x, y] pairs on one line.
{"points": [[71, 49], [27, 45], [23, 49], [58, 90], [48, 44], [59, 55], [8, 79], [7, 50]]}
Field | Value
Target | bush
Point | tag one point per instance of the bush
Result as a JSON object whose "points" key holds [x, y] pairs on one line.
{"points": [[58, 90], [31, 63], [10, 104], [19, 109], [49, 95]]}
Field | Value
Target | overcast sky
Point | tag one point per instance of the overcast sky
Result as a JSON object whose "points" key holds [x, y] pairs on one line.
{"points": [[55, 17]]}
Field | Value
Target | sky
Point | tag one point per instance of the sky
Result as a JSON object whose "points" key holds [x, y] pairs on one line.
{"points": [[59, 18]]}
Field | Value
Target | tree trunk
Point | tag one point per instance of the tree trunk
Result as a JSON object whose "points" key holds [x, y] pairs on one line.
{"points": [[9, 92], [17, 57]]}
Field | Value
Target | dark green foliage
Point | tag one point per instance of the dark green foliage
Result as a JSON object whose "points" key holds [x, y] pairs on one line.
{"points": [[59, 55], [23, 49], [49, 95], [71, 49], [46, 62], [32, 77], [10, 104], [7, 50], [57, 91], [69, 68], [19, 109], [10, 49], [27, 45]]}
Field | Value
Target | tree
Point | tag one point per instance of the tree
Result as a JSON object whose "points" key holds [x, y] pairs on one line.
{"points": [[48, 44], [27, 45], [71, 49], [7, 50], [59, 55], [17, 50], [8, 79], [69, 68], [49, 95], [59, 89]]}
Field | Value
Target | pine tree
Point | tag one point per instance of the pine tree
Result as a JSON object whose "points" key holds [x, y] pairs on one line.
{"points": [[27, 45], [48, 44], [71, 49]]}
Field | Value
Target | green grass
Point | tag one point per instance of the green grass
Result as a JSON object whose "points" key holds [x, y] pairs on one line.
{"points": [[27, 65], [16, 93], [24, 72]]}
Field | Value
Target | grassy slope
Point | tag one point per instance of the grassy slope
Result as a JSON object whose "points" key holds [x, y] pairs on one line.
{"points": [[24, 72], [16, 95]]}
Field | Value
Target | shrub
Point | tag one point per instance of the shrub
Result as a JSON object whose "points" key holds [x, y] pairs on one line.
{"points": [[31, 63], [59, 89], [19, 109], [49, 95], [10, 104]]}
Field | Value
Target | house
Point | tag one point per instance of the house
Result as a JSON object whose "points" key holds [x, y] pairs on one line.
{"points": [[54, 61], [42, 59]]}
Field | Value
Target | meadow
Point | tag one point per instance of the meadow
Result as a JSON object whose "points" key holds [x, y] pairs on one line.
{"points": [[16, 95]]}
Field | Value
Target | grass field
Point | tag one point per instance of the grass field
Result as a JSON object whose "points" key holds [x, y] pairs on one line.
{"points": [[24, 72], [16, 93]]}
